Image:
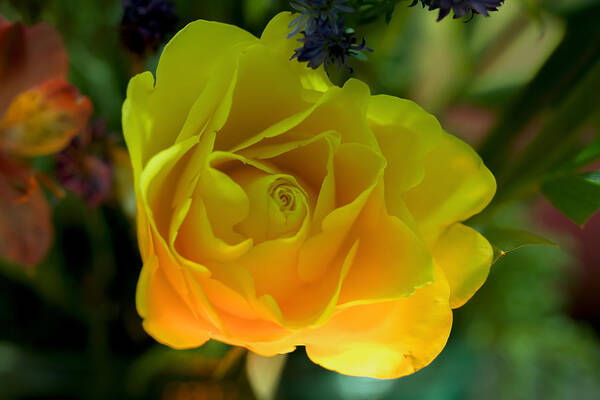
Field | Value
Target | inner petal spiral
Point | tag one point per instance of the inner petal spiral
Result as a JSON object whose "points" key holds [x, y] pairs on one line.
{"points": [[278, 205]]}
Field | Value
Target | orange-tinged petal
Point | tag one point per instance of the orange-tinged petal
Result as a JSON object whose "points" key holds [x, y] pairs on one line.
{"points": [[166, 316], [290, 157], [29, 56], [391, 261], [207, 232], [352, 190], [184, 240], [316, 308], [156, 190], [230, 287], [43, 120], [158, 183], [388, 339], [25, 219], [466, 257], [197, 241], [326, 257], [273, 264], [191, 285]]}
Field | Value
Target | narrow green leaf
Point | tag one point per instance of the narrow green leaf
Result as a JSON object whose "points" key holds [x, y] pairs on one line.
{"points": [[590, 154], [576, 196], [581, 156], [359, 55], [506, 240]]}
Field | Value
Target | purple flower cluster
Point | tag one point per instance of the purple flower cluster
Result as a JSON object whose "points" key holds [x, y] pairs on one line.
{"points": [[327, 45], [325, 39], [461, 8], [84, 167], [146, 23]]}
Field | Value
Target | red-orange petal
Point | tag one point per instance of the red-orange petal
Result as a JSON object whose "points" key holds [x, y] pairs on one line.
{"points": [[43, 120]]}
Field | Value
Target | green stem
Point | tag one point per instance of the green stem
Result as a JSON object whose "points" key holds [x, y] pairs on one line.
{"points": [[560, 133], [566, 66], [558, 137]]}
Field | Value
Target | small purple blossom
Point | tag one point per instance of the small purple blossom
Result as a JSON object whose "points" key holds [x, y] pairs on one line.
{"points": [[461, 8], [327, 45], [325, 39], [146, 23], [316, 13], [84, 166]]}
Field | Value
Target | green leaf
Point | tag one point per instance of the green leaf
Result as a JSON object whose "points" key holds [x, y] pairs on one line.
{"points": [[359, 55], [582, 156], [506, 240], [576, 196], [590, 154]]}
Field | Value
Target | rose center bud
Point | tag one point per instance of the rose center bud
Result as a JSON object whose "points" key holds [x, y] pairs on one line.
{"points": [[278, 206]]}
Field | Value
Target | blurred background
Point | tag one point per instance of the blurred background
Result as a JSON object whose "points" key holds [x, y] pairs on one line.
{"points": [[520, 86]]}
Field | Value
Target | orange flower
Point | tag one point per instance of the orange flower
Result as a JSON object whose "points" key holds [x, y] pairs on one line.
{"points": [[25, 225], [39, 114], [277, 210], [29, 56], [43, 120]]}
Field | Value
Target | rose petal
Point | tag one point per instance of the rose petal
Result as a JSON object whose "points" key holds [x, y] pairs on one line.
{"points": [[137, 120], [466, 257], [157, 190], [326, 257], [391, 262], [317, 308], [265, 81], [456, 186], [207, 231], [275, 36], [154, 116], [342, 110], [166, 317], [123, 180], [352, 189], [405, 133], [385, 340], [317, 176]]}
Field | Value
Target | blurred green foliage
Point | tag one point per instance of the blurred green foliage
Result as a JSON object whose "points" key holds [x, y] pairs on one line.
{"points": [[70, 329]]}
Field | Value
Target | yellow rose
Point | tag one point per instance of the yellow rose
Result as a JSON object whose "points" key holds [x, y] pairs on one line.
{"points": [[277, 210]]}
